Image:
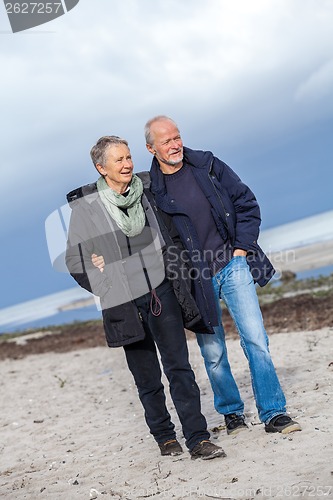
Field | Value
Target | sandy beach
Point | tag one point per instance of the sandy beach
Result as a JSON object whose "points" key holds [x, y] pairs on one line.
{"points": [[72, 427]]}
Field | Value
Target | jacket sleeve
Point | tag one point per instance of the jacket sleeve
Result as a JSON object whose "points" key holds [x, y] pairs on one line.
{"points": [[78, 257], [243, 204]]}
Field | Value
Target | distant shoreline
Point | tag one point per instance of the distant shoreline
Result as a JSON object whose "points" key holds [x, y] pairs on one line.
{"points": [[71, 313], [287, 306]]}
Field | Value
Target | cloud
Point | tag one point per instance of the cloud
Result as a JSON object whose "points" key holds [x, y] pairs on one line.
{"points": [[318, 86], [107, 67], [239, 77]]}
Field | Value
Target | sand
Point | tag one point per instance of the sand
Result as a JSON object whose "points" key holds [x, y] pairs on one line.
{"points": [[303, 258], [72, 427]]}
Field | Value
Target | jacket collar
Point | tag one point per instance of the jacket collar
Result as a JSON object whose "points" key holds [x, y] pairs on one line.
{"points": [[87, 193], [145, 178], [157, 179], [198, 158], [195, 158]]}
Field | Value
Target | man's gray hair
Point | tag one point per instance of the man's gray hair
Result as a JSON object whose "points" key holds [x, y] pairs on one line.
{"points": [[98, 152], [149, 139]]}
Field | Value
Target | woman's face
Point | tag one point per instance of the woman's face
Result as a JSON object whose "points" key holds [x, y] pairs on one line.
{"points": [[118, 167]]}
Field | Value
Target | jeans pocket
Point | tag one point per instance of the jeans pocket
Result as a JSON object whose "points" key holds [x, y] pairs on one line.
{"points": [[217, 278], [238, 260]]}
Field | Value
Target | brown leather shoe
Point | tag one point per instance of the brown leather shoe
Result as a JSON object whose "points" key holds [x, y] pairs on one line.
{"points": [[171, 447], [207, 450]]}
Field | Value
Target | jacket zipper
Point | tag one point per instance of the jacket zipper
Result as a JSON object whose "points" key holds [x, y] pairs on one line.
{"points": [[219, 197], [202, 288]]}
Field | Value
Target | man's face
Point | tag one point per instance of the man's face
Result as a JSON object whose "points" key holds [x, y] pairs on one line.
{"points": [[118, 167], [167, 143]]}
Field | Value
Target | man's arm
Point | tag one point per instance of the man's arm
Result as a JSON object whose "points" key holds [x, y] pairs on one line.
{"points": [[98, 261], [247, 211]]}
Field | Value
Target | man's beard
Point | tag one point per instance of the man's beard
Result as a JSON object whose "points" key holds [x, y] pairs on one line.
{"points": [[171, 163]]}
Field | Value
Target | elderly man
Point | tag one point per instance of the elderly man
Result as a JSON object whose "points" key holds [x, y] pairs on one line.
{"points": [[218, 219], [116, 218]]}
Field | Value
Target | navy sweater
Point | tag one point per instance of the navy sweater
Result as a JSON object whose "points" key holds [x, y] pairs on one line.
{"points": [[184, 189]]}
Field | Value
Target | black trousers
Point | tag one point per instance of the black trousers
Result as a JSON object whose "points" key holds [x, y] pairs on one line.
{"points": [[166, 331]]}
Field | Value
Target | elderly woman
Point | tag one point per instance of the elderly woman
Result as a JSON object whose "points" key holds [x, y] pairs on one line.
{"points": [[117, 218]]}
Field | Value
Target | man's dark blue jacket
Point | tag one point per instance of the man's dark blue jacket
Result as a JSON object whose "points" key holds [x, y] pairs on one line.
{"points": [[236, 214]]}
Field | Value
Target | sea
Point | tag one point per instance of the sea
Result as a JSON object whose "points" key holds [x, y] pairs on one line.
{"points": [[50, 310], [44, 312]]}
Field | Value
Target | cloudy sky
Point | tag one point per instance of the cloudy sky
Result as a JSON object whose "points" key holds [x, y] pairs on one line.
{"points": [[250, 80]]}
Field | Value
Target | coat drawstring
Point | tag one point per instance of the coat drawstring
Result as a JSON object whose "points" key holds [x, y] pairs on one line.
{"points": [[155, 303]]}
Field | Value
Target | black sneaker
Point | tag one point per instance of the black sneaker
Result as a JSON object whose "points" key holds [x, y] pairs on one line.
{"points": [[235, 423], [207, 450], [171, 447], [283, 424]]}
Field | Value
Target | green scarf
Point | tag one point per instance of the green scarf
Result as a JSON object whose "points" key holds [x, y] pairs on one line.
{"points": [[133, 223]]}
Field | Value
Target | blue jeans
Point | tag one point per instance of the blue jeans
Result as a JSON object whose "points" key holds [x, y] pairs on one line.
{"points": [[234, 285]]}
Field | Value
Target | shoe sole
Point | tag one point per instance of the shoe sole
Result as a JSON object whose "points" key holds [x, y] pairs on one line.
{"points": [[291, 428], [215, 454], [172, 454], [236, 431], [286, 430]]}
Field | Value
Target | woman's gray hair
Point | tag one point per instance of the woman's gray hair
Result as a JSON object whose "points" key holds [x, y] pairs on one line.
{"points": [[98, 152], [149, 139]]}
